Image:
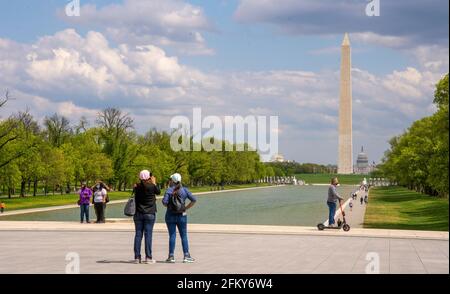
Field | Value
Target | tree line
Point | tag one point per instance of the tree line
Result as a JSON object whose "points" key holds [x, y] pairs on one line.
{"points": [[419, 158], [290, 168], [56, 156]]}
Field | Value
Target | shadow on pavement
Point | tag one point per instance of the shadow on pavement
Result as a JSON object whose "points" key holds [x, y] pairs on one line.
{"points": [[127, 261]]}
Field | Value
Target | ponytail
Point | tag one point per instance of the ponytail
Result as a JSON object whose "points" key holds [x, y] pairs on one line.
{"points": [[177, 188]]}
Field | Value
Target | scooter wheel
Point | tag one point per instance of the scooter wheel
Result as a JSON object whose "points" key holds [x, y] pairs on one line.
{"points": [[321, 227], [346, 227]]}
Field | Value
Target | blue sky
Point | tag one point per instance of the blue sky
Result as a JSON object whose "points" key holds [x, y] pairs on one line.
{"points": [[231, 58], [238, 46]]}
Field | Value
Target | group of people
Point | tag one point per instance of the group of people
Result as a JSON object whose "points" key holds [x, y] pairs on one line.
{"points": [[144, 218], [145, 192], [98, 196]]}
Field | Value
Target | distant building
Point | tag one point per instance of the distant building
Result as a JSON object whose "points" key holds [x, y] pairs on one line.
{"points": [[277, 158], [362, 163]]}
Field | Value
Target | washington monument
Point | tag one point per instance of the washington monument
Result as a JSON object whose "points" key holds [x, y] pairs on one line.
{"points": [[345, 161]]}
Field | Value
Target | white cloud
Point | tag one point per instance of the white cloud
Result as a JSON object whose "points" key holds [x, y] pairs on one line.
{"points": [[69, 66], [382, 40], [78, 75], [173, 23], [432, 57], [400, 24]]}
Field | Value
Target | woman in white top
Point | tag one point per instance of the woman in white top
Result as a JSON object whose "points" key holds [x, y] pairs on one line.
{"points": [[99, 200]]}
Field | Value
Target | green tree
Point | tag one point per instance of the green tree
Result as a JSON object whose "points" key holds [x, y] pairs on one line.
{"points": [[419, 158]]}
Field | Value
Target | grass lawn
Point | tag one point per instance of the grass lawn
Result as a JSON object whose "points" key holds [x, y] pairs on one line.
{"points": [[325, 178], [51, 200], [65, 199], [400, 208]]}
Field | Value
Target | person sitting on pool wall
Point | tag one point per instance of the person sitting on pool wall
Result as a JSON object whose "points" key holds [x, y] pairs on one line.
{"points": [[333, 197], [174, 199]]}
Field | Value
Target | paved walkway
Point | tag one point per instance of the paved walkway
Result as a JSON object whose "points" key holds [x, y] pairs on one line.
{"points": [[354, 216], [41, 247]]}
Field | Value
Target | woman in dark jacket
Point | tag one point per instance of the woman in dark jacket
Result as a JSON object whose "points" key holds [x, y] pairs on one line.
{"points": [[144, 219]]}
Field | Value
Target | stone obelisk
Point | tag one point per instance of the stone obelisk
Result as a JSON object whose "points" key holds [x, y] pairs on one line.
{"points": [[345, 161]]}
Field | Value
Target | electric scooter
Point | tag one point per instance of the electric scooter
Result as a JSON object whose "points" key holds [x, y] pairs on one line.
{"points": [[340, 224]]}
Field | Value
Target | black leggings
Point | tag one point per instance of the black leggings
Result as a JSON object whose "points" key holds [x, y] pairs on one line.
{"points": [[100, 211]]}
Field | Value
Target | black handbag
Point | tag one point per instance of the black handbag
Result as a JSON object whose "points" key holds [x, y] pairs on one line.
{"points": [[130, 207]]}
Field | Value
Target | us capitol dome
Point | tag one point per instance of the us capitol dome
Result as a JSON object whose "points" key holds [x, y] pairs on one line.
{"points": [[362, 163]]}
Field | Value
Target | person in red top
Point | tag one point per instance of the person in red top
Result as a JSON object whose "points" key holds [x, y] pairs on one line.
{"points": [[2, 207]]}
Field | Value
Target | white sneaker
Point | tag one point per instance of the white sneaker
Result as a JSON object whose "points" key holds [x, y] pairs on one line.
{"points": [[149, 261]]}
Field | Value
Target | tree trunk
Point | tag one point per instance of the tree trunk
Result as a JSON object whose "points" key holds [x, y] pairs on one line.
{"points": [[76, 182], [35, 182], [22, 187]]}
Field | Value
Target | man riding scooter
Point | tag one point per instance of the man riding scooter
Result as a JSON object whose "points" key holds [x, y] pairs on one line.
{"points": [[333, 198]]}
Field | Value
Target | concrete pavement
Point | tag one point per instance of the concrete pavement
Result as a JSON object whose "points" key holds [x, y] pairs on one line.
{"points": [[355, 216], [111, 252], [41, 247], [126, 225]]}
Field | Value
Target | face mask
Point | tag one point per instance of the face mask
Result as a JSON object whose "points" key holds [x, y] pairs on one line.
{"points": [[98, 186]]}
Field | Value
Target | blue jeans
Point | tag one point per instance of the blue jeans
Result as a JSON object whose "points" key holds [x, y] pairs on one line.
{"points": [[143, 224], [174, 221], [332, 212], [84, 211]]}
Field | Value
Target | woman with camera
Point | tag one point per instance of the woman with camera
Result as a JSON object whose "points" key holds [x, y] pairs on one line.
{"points": [[144, 219]]}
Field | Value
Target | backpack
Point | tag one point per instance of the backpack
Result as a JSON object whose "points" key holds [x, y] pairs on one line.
{"points": [[176, 203]]}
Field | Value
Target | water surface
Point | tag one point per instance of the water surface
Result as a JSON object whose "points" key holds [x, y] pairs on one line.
{"points": [[287, 205]]}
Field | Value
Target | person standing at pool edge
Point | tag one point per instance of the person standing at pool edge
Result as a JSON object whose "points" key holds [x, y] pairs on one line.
{"points": [[177, 219], [84, 201], [99, 201], [144, 219], [333, 197]]}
